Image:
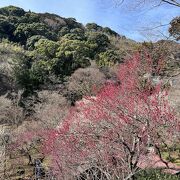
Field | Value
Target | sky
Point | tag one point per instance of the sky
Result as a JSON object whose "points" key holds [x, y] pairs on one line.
{"points": [[124, 19]]}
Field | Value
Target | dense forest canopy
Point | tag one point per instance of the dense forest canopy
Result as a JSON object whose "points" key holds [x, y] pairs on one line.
{"points": [[52, 45]]}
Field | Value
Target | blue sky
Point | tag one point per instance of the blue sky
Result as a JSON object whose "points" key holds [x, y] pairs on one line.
{"points": [[104, 12]]}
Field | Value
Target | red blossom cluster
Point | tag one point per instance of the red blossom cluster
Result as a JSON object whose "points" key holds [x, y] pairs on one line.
{"points": [[114, 130]]}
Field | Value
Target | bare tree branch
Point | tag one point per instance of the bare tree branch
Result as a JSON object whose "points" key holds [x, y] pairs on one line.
{"points": [[139, 3], [118, 2], [172, 2], [156, 27]]}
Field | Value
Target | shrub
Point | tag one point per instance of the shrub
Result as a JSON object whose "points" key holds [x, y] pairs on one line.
{"points": [[51, 110], [84, 82], [10, 113]]}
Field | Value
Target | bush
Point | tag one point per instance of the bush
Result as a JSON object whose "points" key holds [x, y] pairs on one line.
{"points": [[10, 113], [84, 82], [51, 110]]}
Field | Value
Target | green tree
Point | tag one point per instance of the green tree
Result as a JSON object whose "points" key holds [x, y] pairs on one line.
{"points": [[30, 74], [21, 70], [46, 48], [40, 72], [76, 34], [109, 31], [72, 23], [72, 54], [93, 27], [12, 11], [6, 29], [108, 58], [29, 17], [32, 40], [99, 42], [26, 30], [64, 30]]}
